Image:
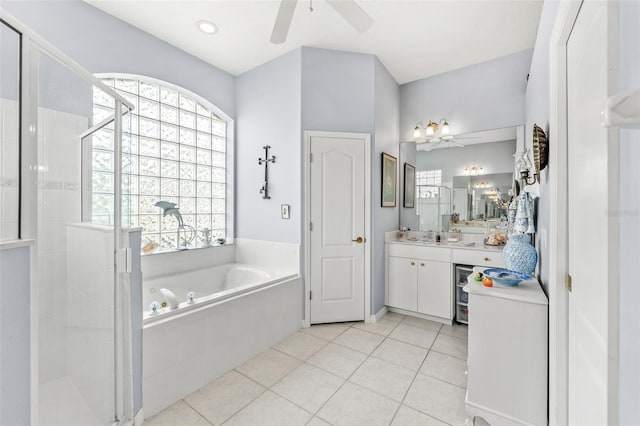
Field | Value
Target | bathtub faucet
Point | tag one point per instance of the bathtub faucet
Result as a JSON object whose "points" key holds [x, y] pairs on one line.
{"points": [[185, 231], [171, 298]]}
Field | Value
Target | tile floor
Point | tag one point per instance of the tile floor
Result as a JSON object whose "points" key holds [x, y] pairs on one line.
{"points": [[398, 371]]}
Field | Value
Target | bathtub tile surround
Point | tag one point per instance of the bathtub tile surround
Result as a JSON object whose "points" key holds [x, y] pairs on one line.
{"points": [[392, 383]]}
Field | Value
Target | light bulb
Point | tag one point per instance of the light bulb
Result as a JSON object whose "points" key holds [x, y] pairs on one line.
{"points": [[207, 27], [430, 128], [416, 132], [445, 128]]}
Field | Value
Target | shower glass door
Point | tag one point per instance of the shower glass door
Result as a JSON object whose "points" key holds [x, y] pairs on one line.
{"points": [[79, 168]]}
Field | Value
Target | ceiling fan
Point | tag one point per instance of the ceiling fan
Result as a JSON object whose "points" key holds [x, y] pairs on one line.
{"points": [[437, 134], [348, 9]]}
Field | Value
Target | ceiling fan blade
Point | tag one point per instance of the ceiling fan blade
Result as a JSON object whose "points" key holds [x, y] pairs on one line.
{"points": [[459, 145], [283, 21], [352, 13], [430, 146]]}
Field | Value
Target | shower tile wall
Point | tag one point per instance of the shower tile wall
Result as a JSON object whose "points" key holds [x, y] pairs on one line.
{"points": [[59, 204], [8, 170]]}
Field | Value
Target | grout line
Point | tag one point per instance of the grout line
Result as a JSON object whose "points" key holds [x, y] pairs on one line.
{"points": [[197, 412]]}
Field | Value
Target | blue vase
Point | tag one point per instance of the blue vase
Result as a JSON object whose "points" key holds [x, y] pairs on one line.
{"points": [[519, 255]]}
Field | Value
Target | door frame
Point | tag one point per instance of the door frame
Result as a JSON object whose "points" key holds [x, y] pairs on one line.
{"points": [[558, 242], [308, 134]]}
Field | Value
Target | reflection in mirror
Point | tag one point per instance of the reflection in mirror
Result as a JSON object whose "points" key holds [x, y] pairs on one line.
{"points": [[466, 187]]}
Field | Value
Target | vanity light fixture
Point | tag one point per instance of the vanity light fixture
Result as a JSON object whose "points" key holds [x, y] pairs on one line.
{"points": [[473, 171], [431, 130], [207, 27]]}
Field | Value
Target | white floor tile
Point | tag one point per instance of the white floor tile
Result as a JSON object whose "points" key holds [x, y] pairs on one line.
{"points": [[177, 414], [455, 330], [326, 331], [422, 323], [393, 316], [353, 405], [301, 345], [308, 386], [317, 421], [337, 359], [446, 368], [438, 399], [361, 341], [414, 335], [382, 327], [268, 367], [400, 353], [384, 378], [451, 346], [225, 396], [270, 410], [409, 417]]}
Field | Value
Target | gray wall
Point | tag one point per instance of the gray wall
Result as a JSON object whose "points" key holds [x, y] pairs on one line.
{"points": [[629, 211], [387, 120], [15, 340], [102, 44], [268, 113], [479, 97], [537, 111]]}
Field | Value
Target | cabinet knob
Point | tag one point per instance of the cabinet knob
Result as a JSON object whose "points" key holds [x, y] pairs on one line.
{"points": [[421, 264], [413, 263], [486, 259]]}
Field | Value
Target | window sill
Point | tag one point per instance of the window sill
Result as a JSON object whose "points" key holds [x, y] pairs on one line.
{"points": [[175, 250]]}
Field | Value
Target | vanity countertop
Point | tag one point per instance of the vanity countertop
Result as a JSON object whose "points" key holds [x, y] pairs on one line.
{"points": [[447, 244]]}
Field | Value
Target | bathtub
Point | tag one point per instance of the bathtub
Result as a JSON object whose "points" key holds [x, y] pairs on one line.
{"points": [[210, 285], [241, 308]]}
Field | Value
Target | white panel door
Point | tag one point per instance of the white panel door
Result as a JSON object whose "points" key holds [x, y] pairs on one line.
{"points": [[589, 152], [337, 235]]}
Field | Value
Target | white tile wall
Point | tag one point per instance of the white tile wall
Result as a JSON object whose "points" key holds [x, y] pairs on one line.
{"points": [[8, 170], [282, 257]]}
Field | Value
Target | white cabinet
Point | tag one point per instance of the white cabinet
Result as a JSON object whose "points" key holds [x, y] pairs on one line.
{"points": [[435, 289], [507, 360], [488, 258], [419, 281], [403, 273]]}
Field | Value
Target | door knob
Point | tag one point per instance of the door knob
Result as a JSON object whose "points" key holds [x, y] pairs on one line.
{"points": [[358, 240]]}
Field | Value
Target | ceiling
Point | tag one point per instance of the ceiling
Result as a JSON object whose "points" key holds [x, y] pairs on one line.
{"points": [[413, 39], [485, 136]]}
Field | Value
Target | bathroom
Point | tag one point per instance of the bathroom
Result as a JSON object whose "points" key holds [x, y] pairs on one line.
{"points": [[275, 103]]}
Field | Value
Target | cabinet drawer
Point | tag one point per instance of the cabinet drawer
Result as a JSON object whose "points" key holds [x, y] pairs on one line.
{"points": [[478, 258], [439, 254]]}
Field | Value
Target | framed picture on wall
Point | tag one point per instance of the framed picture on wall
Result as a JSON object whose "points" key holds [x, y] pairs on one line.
{"points": [[409, 186], [389, 173]]}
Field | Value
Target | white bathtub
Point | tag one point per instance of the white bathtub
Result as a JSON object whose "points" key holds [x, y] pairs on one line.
{"points": [[210, 285], [240, 310]]}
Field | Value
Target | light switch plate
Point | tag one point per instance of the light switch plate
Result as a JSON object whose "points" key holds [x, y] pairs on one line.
{"points": [[284, 211]]}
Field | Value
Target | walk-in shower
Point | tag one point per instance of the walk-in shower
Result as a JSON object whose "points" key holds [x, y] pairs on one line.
{"points": [[82, 366]]}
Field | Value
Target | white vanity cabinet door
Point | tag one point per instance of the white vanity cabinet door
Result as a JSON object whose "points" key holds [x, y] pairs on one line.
{"points": [[435, 295], [403, 282]]}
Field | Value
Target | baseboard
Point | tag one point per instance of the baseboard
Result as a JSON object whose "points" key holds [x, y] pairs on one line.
{"points": [[378, 316], [139, 418]]}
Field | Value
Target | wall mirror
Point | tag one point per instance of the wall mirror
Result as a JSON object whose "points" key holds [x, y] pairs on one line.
{"points": [[465, 185]]}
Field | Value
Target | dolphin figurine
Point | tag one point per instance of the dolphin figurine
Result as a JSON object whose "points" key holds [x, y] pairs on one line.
{"points": [[170, 209]]}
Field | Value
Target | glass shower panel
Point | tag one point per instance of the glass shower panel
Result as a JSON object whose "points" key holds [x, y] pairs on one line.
{"points": [[75, 261], [9, 132]]}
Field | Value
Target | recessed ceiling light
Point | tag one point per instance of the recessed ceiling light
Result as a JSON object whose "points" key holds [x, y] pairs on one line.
{"points": [[207, 27]]}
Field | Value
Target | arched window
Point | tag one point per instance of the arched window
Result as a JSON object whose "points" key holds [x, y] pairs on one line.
{"points": [[177, 148]]}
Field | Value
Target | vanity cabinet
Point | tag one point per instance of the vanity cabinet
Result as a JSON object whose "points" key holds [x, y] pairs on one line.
{"points": [[419, 280], [487, 258]]}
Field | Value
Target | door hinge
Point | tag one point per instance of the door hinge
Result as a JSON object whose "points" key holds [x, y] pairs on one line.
{"points": [[568, 283], [310, 226], [123, 260], [310, 295]]}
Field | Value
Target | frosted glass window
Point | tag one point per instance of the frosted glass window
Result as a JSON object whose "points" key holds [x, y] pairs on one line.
{"points": [[178, 154], [428, 183]]}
